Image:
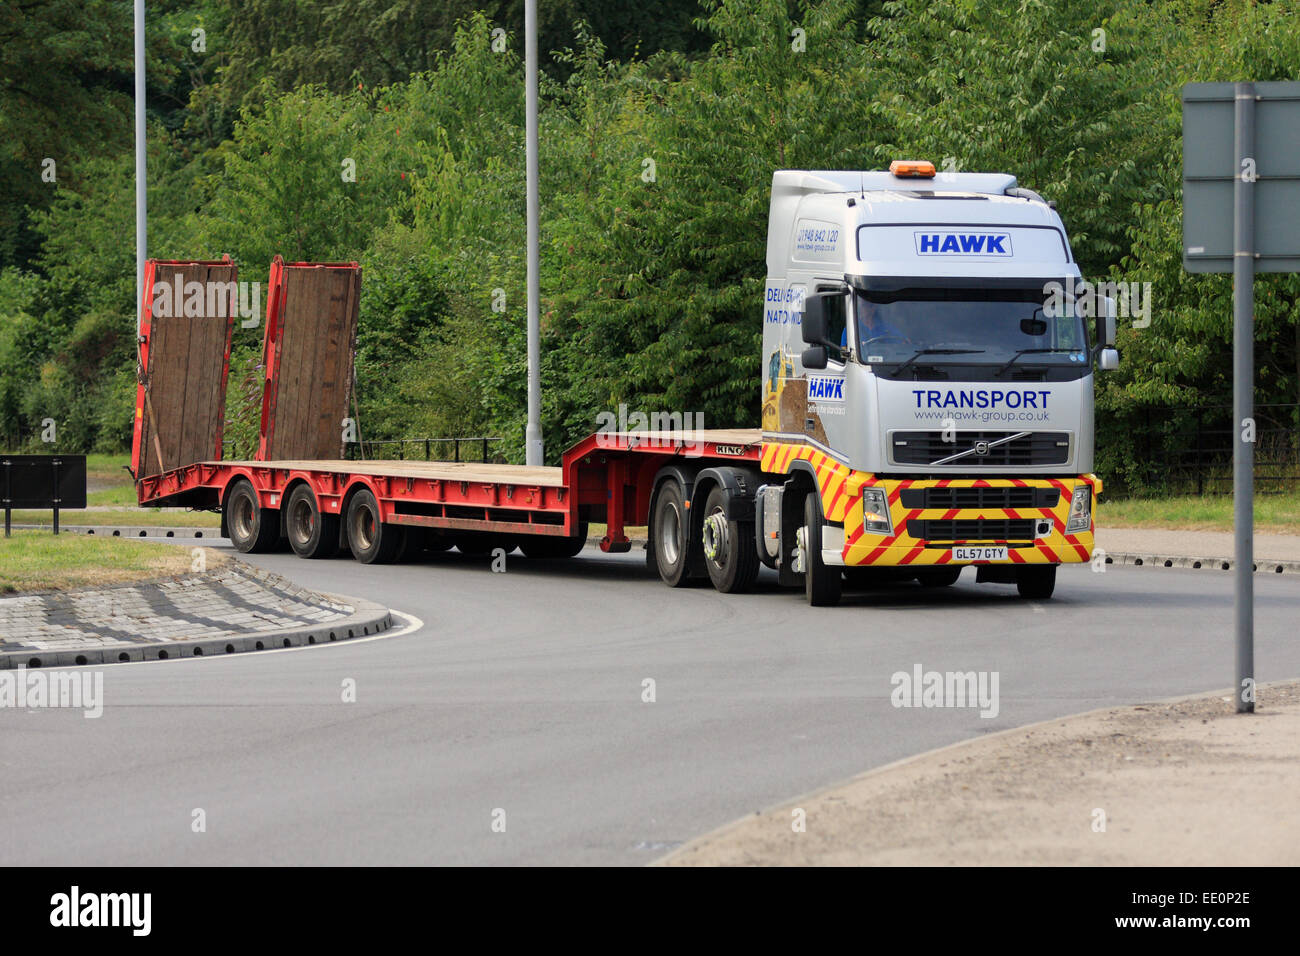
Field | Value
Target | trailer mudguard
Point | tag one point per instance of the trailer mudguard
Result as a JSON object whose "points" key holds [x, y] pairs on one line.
{"points": [[740, 484]]}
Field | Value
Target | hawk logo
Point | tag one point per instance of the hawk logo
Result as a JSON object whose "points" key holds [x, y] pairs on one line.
{"points": [[826, 388], [963, 244]]}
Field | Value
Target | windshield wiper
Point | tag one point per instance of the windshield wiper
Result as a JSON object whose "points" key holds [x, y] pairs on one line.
{"points": [[1019, 352], [920, 352]]}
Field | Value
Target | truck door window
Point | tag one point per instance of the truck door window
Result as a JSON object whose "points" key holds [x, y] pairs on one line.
{"points": [[837, 327]]}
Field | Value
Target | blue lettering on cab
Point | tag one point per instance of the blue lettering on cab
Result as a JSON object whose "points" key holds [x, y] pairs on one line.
{"points": [[963, 243], [825, 388]]}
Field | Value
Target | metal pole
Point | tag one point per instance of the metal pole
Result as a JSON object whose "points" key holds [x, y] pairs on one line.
{"points": [[141, 188], [1243, 394], [55, 499], [533, 435]]}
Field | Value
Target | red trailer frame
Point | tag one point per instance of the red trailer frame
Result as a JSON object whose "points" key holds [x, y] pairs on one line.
{"points": [[607, 477]]}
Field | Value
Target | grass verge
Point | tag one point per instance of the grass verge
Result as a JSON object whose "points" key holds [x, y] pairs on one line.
{"points": [[1274, 514], [38, 561]]}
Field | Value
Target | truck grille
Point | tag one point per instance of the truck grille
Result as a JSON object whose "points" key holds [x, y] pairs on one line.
{"points": [[1034, 448], [977, 529], [949, 498]]}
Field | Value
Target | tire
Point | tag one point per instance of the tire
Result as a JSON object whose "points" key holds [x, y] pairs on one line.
{"points": [[437, 541], [822, 585], [480, 544], [472, 544], [371, 541], [311, 534], [939, 577], [730, 553], [1037, 581], [551, 547], [252, 528], [413, 538], [677, 551]]}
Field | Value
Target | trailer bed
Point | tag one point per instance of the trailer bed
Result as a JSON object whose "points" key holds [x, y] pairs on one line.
{"points": [[606, 477], [308, 349], [433, 470]]}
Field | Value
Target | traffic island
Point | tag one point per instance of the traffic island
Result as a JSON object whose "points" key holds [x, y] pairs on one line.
{"points": [[1186, 782], [1196, 550], [224, 610]]}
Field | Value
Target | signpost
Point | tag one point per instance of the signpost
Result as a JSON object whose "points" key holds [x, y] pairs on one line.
{"points": [[1241, 203]]}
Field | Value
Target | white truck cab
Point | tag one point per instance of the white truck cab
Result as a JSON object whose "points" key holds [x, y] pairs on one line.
{"points": [[920, 388]]}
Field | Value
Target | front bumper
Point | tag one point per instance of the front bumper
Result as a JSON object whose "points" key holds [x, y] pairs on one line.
{"points": [[1047, 543]]}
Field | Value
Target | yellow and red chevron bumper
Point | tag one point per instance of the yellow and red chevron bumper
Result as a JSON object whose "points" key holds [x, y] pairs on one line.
{"points": [[841, 487]]}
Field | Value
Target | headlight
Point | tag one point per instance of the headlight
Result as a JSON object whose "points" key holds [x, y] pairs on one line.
{"points": [[1080, 510], [875, 511]]}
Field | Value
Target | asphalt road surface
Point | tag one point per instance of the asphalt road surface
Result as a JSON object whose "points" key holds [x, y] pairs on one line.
{"points": [[520, 701]]}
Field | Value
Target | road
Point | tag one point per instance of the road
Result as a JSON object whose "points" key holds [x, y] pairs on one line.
{"points": [[523, 693]]}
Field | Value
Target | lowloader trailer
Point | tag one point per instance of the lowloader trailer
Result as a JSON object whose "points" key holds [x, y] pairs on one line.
{"points": [[924, 408]]}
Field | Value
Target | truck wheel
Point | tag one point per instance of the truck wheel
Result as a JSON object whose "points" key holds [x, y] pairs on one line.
{"points": [[677, 555], [372, 541], [822, 584], [730, 554], [479, 544], [472, 544], [551, 547], [311, 534], [252, 528], [938, 577], [437, 541], [412, 543], [1037, 581]]}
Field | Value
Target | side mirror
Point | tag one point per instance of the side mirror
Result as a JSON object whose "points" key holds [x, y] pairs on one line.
{"points": [[1106, 323], [1108, 359], [813, 324], [814, 358]]}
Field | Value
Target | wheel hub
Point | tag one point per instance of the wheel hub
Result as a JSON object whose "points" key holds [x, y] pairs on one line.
{"points": [[670, 529], [716, 540], [244, 518], [302, 521]]}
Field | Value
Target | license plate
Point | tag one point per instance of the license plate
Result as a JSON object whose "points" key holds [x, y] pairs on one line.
{"points": [[979, 554]]}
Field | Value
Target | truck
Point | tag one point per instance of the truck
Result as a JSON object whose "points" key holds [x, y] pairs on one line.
{"points": [[926, 406]]}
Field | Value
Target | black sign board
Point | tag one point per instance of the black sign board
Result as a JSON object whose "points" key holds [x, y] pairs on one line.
{"points": [[42, 481]]}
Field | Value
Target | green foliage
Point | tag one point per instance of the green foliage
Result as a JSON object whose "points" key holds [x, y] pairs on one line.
{"points": [[1185, 357], [659, 136]]}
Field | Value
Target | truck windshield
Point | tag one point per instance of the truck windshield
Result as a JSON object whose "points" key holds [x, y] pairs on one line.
{"points": [[964, 326]]}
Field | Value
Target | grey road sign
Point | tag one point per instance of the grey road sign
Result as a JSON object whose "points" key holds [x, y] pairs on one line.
{"points": [[1210, 168]]}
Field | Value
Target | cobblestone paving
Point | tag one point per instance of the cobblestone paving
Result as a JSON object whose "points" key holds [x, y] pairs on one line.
{"points": [[235, 599]]}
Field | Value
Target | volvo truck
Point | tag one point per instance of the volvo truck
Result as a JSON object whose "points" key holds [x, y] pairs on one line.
{"points": [[926, 407]]}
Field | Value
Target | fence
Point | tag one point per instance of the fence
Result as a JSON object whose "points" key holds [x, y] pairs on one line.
{"points": [[1190, 449]]}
